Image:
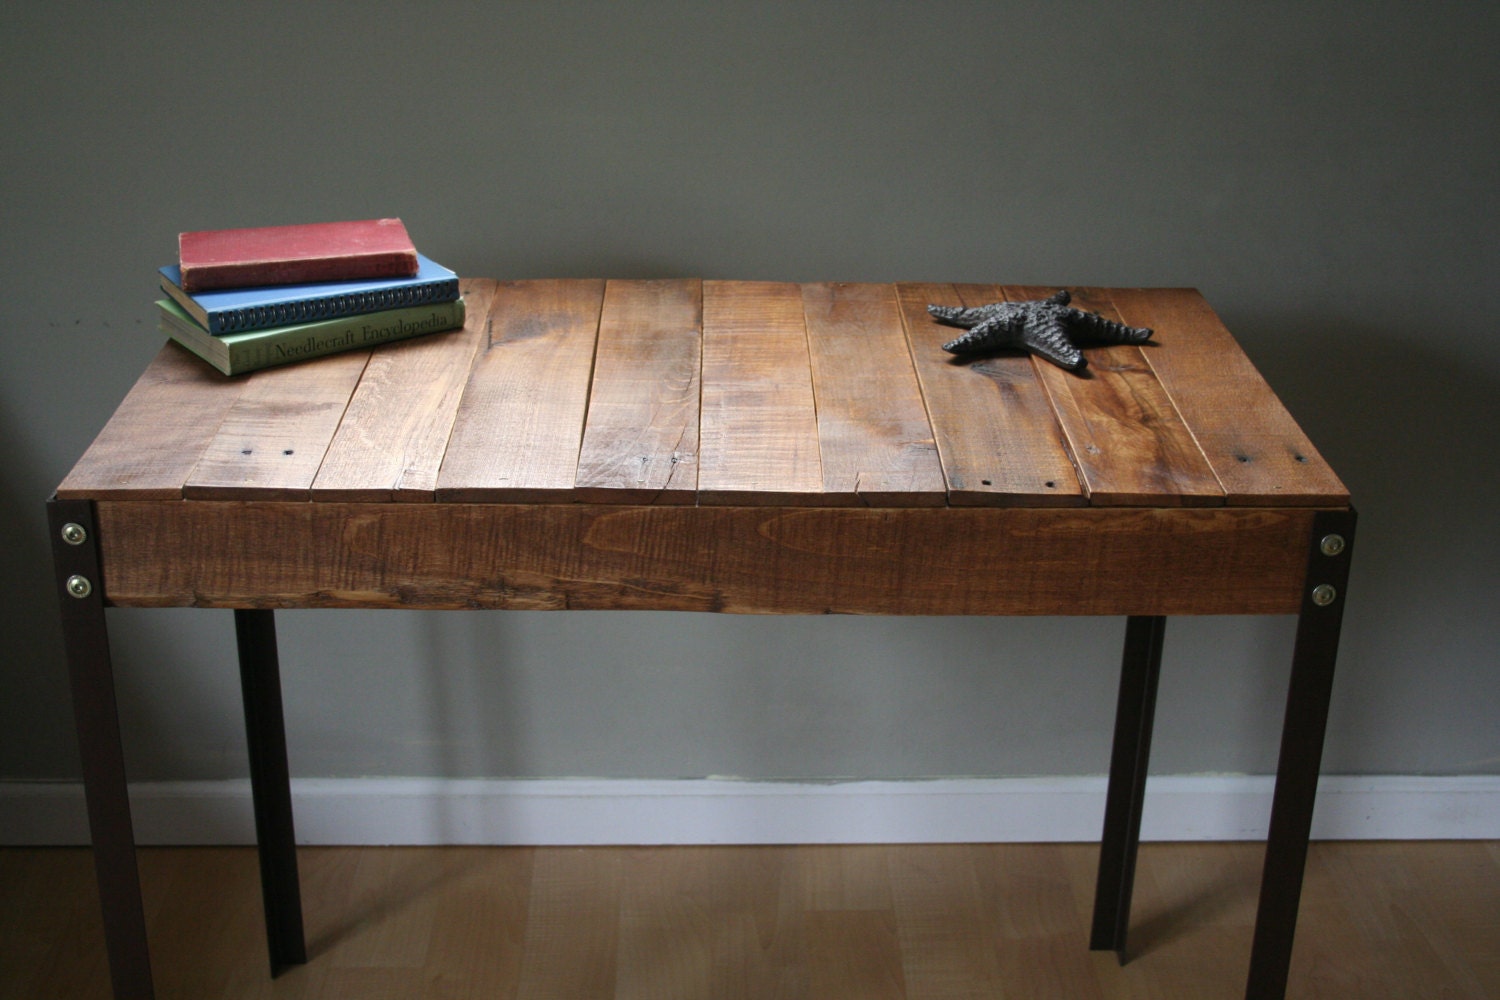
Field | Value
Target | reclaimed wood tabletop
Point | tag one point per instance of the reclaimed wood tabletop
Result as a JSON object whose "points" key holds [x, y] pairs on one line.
{"points": [[709, 444]]}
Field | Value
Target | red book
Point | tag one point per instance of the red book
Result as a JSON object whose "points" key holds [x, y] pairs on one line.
{"points": [[294, 255]]}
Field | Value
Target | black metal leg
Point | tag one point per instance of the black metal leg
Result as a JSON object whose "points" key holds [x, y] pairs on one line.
{"points": [[1139, 670], [1302, 734], [270, 783], [80, 587]]}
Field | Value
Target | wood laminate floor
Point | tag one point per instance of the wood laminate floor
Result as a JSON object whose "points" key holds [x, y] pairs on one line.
{"points": [[1407, 920]]}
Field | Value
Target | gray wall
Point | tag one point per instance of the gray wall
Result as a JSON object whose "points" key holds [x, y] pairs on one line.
{"points": [[1325, 173]]}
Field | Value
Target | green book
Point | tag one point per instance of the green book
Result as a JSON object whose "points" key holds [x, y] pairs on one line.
{"points": [[235, 353]]}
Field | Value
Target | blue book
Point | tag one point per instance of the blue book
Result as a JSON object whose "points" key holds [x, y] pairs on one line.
{"points": [[233, 310]]}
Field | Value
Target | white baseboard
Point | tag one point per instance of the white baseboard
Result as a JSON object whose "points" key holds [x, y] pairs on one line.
{"points": [[713, 811]]}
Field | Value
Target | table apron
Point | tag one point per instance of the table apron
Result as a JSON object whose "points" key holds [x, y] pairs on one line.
{"points": [[773, 560]]}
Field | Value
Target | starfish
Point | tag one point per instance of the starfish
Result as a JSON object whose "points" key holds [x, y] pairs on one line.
{"points": [[1045, 327]]}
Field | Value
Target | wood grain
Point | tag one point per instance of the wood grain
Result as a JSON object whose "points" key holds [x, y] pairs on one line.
{"points": [[391, 441], [1433, 905], [193, 894], [1035, 932], [158, 432], [723, 393], [273, 439], [996, 433], [941, 919], [402, 939], [783, 560], [759, 427], [875, 443], [857, 955], [479, 935], [572, 926], [1254, 446], [1126, 438], [520, 424], [850, 877], [640, 442], [689, 927], [1394, 919]]}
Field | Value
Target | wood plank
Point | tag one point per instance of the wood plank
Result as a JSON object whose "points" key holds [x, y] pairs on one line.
{"points": [[640, 441], [1254, 446], [51, 940], [211, 890], [391, 442], [1429, 908], [847, 877], [946, 945], [995, 430], [520, 424], [693, 926], [1215, 908], [572, 925], [154, 439], [478, 938], [1033, 914], [779, 560], [759, 426], [403, 939], [273, 439], [1399, 919], [1126, 438], [874, 440], [855, 955]]}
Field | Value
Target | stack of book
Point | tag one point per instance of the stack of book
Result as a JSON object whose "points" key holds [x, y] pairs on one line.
{"points": [[244, 299]]}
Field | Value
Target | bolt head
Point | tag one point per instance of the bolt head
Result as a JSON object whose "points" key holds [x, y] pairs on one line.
{"points": [[1331, 545], [79, 586], [1324, 595], [74, 533]]}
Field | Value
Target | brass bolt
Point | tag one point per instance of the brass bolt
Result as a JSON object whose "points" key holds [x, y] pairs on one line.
{"points": [[74, 533], [1324, 595], [1332, 545]]}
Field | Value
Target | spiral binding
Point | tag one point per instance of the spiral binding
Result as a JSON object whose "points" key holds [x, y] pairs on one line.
{"points": [[329, 307]]}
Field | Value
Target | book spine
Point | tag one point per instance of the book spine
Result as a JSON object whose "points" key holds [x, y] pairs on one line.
{"points": [[358, 334], [330, 307], [207, 277], [265, 349], [186, 301]]}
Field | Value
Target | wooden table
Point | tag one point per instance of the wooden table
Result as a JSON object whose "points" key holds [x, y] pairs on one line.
{"points": [[712, 446]]}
